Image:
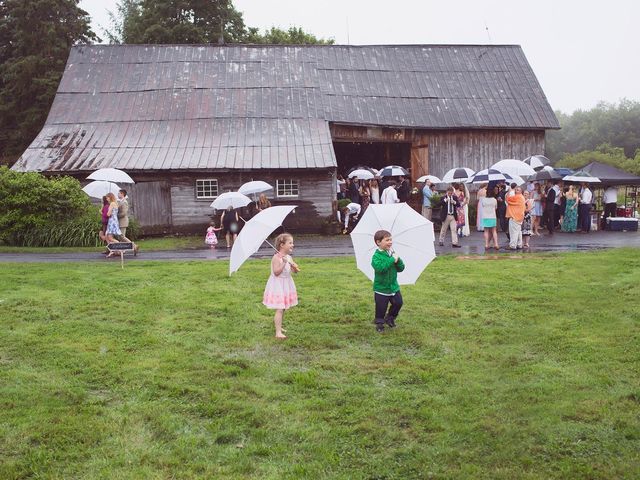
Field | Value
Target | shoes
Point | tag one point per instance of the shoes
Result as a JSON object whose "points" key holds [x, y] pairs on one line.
{"points": [[455, 245], [390, 321], [513, 248], [379, 327], [441, 243]]}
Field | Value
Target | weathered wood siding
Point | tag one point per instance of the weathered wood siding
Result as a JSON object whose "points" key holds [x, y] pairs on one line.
{"points": [[436, 151], [316, 188], [478, 149], [150, 204]]}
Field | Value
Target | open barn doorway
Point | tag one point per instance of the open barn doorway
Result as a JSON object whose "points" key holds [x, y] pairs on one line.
{"points": [[371, 154]]}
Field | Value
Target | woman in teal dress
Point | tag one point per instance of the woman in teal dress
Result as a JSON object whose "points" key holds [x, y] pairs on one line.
{"points": [[570, 220]]}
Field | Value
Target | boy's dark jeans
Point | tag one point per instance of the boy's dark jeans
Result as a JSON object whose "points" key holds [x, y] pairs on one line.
{"points": [[382, 301]]}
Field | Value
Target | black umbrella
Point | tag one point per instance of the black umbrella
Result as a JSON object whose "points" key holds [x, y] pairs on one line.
{"points": [[547, 173]]}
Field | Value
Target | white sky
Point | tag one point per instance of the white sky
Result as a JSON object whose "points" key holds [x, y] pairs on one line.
{"points": [[581, 51]]}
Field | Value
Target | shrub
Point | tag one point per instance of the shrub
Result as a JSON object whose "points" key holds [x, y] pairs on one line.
{"points": [[37, 211], [343, 202]]}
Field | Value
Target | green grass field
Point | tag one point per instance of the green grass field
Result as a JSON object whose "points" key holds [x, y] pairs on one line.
{"points": [[518, 368]]}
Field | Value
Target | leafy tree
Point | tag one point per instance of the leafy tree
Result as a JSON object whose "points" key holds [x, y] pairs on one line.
{"points": [[35, 39], [292, 36], [617, 125], [193, 21], [605, 153]]}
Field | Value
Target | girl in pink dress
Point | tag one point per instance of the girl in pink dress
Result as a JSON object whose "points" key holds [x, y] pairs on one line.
{"points": [[280, 293]]}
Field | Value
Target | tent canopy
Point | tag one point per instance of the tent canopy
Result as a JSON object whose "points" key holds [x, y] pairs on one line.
{"points": [[611, 175]]}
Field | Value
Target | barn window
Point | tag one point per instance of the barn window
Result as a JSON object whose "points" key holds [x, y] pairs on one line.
{"points": [[287, 188], [207, 188]]}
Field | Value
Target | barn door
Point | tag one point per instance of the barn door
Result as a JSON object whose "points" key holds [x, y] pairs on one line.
{"points": [[151, 206]]}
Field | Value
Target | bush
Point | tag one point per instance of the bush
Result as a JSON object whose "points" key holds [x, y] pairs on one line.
{"points": [[37, 211], [133, 230], [343, 202]]}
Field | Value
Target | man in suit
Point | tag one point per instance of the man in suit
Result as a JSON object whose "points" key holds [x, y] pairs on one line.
{"points": [[449, 205], [123, 212], [404, 190], [549, 206]]}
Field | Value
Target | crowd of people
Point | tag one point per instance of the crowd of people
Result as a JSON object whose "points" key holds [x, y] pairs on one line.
{"points": [[362, 193], [115, 219]]}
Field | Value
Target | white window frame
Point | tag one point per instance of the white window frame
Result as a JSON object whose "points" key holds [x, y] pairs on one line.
{"points": [[211, 181], [290, 183]]}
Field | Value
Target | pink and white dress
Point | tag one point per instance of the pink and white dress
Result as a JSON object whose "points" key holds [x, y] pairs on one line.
{"points": [[280, 292]]}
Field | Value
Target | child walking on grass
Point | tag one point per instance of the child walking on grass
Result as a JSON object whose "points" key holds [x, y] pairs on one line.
{"points": [[211, 238], [280, 293], [386, 291]]}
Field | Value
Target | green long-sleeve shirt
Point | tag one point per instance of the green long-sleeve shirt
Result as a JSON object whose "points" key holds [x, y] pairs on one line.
{"points": [[386, 271]]}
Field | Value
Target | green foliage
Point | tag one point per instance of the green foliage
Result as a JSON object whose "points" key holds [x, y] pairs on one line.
{"points": [[193, 22], [133, 230], [617, 125], [343, 202], [169, 370], [614, 156], [36, 211], [35, 39]]}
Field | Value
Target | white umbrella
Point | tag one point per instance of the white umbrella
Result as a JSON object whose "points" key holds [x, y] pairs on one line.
{"points": [[111, 175], [413, 239], [537, 162], [581, 177], [513, 167], [255, 232], [361, 174], [230, 199], [518, 180], [457, 174], [431, 178], [255, 186], [99, 188]]}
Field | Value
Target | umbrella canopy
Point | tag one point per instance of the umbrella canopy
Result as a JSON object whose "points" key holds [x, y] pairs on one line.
{"points": [[255, 186], [255, 232], [111, 175], [581, 177], [99, 188], [513, 167], [457, 174], [431, 178], [361, 174], [537, 162], [393, 171], [545, 173], [489, 175], [230, 199], [413, 239], [518, 180]]}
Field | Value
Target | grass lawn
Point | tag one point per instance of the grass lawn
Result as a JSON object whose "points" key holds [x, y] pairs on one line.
{"points": [[507, 369], [183, 242]]}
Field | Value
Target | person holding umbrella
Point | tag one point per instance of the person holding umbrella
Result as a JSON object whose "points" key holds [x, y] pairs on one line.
{"points": [[386, 291]]}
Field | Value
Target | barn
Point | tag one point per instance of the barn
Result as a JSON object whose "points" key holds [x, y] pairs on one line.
{"points": [[189, 122]]}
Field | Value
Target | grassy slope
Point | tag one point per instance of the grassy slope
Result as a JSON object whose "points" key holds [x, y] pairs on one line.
{"points": [[499, 369]]}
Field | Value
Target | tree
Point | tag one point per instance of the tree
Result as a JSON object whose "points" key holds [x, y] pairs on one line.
{"points": [[618, 125], [193, 21], [35, 39]]}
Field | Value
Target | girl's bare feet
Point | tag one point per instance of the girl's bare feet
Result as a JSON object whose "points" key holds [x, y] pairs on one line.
{"points": [[281, 337]]}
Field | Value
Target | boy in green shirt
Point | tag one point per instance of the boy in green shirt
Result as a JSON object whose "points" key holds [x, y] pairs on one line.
{"points": [[386, 265]]}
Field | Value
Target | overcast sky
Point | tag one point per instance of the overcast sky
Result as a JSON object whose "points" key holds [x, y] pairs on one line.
{"points": [[581, 51]]}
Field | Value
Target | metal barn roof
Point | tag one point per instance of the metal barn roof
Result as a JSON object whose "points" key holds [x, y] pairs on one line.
{"points": [[182, 107]]}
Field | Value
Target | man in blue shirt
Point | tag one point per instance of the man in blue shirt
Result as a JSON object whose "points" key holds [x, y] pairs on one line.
{"points": [[427, 193]]}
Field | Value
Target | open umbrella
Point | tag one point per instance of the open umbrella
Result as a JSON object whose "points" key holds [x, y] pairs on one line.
{"points": [[413, 239], [581, 177], [111, 175], [537, 162], [255, 232], [393, 171], [255, 186], [545, 173], [457, 175], [431, 178], [361, 174], [99, 188], [230, 199], [513, 167], [488, 175]]}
